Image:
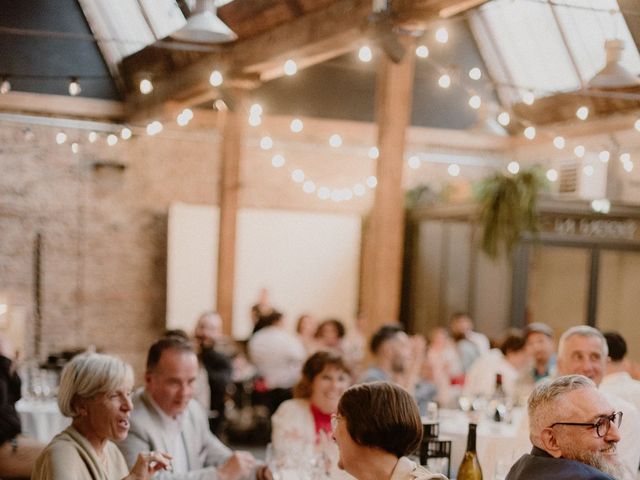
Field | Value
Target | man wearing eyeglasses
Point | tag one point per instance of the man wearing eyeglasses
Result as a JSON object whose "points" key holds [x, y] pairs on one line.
{"points": [[574, 432]]}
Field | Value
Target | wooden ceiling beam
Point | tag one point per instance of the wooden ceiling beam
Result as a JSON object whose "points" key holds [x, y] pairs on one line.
{"points": [[62, 106], [317, 36]]}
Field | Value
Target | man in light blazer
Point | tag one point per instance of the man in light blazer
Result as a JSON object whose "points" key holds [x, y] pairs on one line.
{"points": [[166, 418]]}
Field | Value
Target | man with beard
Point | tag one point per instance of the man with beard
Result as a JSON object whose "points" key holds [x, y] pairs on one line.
{"points": [[399, 358], [574, 432]]}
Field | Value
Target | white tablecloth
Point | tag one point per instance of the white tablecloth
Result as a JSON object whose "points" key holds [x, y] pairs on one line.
{"points": [[496, 443], [41, 419]]}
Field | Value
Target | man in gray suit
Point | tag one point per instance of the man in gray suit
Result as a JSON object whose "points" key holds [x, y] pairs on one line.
{"points": [[166, 418]]}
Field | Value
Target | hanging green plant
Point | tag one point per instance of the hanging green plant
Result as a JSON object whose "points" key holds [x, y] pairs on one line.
{"points": [[508, 208]]}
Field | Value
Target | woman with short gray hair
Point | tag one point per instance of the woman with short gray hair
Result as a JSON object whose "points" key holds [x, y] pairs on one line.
{"points": [[95, 391]]}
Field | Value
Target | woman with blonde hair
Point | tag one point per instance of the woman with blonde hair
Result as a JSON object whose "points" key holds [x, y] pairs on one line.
{"points": [[95, 391]]}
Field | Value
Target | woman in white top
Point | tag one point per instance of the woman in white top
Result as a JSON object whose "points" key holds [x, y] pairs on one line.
{"points": [[302, 426]]}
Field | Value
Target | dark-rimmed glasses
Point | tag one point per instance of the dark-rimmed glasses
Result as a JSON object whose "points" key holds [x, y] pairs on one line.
{"points": [[602, 425]]}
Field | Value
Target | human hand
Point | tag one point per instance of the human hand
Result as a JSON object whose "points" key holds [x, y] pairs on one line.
{"points": [[149, 463], [238, 466]]}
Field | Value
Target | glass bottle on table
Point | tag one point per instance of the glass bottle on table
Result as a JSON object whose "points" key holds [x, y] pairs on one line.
{"points": [[498, 401], [470, 466]]}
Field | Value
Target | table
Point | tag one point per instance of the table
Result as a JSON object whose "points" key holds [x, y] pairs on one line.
{"points": [[41, 419], [498, 444]]}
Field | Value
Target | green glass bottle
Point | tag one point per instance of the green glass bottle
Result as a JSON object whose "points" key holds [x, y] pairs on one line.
{"points": [[470, 466]]}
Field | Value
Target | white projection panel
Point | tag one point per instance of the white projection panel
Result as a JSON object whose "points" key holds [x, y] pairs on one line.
{"points": [[308, 262], [192, 263]]}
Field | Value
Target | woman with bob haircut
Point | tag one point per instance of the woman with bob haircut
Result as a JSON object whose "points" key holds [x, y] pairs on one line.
{"points": [[305, 420], [95, 391], [376, 426]]}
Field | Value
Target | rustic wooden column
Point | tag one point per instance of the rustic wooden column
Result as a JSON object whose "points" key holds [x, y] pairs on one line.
{"points": [[233, 121], [382, 257]]}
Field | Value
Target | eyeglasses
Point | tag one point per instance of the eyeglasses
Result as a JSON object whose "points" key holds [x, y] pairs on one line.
{"points": [[335, 418], [602, 425]]}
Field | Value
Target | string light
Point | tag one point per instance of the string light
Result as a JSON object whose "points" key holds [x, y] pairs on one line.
{"points": [[324, 193], [365, 54], [444, 81], [93, 136], [625, 157], [146, 87], [604, 156], [504, 119], [255, 120], [266, 142], [74, 87], [552, 175], [220, 105], [528, 98], [579, 151], [359, 189], [297, 175], [637, 125], [582, 113], [61, 137], [184, 117], [628, 166], [373, 153], [601, 205], [75, 148], [296, 125], [309, 186], [290, 67], [453, 169], [112, 139], [335, 140], [255, 109], [372, 181], [126, 133], [5, 86], [216, 79], [559, 142], [154, 128], [422, 51], [588, 170], [513, 167], [475, 102], [475, 73], [530, 132], [414, 162], [442, 35], [277, 161]]}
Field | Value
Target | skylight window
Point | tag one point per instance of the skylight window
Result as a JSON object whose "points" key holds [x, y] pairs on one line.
{"points": [[533, 46]]}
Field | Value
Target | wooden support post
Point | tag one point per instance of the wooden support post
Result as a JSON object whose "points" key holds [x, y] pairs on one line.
{"points": [[382, 268], [231, 151]]}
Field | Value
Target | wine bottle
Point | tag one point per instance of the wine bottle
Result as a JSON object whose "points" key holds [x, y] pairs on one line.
{"points": [[470, 466], [498, 400]]}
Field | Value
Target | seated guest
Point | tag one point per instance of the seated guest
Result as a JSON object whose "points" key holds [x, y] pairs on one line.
{"points": [[167, 417], [306, 330], [470, 344], [18, 453], [574, 432], [541, 346], [376, 427], [95, 390], [278, 356], [399, 358], [510, 360], [216, 367], [617, 379], [330, 334], [306, 419]]}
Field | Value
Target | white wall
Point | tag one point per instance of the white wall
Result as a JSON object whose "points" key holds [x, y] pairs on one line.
{"points": [[192, 263], [308, 262]]}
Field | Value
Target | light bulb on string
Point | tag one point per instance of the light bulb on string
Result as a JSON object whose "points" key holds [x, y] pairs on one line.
{"points": [[365, 54], [579, 151], [324, 193], [309, 186], [335, 140], [475, 102], [146, 87], [625, 157], [277, 161], [582, 113], [422, 51], [444, 81], [296, 125], [637, 125], [61, 137], [604, 156], [255, 120], [216, 79], [475, 73], [126, 133], [290, 67], [297, 175], [528, 97], [75, 148], [373, 153], [154, 128], [372, 181], [588, 170], [359, 189], [628, 166], [414, 162], [93, 137], [504, 119], [266, 142], [74, 87], [5, 86], [453, 169], [513, 167], [220, 105], [112, 139], [559, 142], [442, 35], [552, 175], [530, 132]]}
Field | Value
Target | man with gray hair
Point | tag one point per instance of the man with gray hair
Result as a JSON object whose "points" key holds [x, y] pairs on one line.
{"points": [[574, 432]]}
